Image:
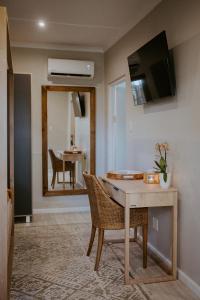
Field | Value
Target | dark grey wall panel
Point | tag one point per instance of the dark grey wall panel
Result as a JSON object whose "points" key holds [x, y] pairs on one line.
{"points": [[22, 140]]}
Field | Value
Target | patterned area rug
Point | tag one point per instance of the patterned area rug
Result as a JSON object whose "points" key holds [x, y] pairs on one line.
{"points": [[50, 263]]}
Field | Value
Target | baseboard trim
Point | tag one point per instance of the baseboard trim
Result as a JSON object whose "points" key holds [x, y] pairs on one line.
{"points": [[191, 284], [59, 210]]}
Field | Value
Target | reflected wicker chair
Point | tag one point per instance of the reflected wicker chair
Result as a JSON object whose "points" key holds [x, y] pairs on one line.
{"points": [[106, 214], [57, 166]]}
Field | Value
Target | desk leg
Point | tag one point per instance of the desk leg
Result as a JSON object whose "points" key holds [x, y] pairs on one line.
{"points": [[63, 174], [127, 228], [174, 241]]}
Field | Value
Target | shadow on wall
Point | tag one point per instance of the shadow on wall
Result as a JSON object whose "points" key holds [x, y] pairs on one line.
{"points": [[168, 103], [71, 81]]}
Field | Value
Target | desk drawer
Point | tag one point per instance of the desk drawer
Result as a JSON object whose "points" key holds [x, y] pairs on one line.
{"points": [[115, 193], [152, 199]]}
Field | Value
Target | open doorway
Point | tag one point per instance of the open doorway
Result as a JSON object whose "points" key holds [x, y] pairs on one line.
{"points": [[117, 126]]}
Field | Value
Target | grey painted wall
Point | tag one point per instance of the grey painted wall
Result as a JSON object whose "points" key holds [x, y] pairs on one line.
{"points": [[176, 121], [34, 61]]}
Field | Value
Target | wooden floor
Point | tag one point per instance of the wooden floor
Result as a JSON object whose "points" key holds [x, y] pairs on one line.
{"points": [[160, 291], [68, 186], [59, 186]]}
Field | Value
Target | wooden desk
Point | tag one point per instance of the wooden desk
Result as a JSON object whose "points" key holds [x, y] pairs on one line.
{"points": [[73, 157], [133, 194]]}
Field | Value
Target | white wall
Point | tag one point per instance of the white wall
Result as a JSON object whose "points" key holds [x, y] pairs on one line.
{"points": [[34, 61], [176, 121]]}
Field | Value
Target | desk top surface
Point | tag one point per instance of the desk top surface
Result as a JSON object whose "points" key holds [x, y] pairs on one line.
{"points": [[71, 156], [137, 186]]}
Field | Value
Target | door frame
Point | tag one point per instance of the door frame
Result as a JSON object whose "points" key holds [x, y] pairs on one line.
{"points": [[6, 158], [110, 135]]}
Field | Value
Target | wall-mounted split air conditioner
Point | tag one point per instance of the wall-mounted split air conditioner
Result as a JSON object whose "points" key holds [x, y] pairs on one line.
{"points": [[70, 68]]}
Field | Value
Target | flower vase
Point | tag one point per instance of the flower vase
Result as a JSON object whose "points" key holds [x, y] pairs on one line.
{"points": [[163, 184]]}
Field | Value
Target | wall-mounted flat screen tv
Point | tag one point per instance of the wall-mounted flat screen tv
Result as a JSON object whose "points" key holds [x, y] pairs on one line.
{"points": [[152, 71], [78, 102]]}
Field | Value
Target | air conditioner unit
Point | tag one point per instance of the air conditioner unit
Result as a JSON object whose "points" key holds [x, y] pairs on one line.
{"points": [[70, 68]]}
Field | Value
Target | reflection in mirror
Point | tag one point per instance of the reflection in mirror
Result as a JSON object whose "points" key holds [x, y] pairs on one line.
{"points": [[68, 136]]}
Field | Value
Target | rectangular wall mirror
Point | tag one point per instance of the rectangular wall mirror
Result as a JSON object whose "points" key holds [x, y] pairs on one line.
{"points": [[68, 138]]}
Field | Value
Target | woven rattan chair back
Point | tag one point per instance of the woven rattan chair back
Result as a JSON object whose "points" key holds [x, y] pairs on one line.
{"points": [[57, 164], [95, 216], [53, 158], [105, 212]]}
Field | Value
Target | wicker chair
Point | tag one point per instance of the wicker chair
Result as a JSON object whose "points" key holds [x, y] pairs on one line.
{"points": [[106, 214], [57, 166]]}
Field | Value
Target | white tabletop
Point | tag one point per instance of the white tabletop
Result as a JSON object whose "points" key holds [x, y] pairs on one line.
{"points": [[73, 156]]}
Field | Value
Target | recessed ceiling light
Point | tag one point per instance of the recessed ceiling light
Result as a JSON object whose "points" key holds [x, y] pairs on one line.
{"points": [[41, 24]]}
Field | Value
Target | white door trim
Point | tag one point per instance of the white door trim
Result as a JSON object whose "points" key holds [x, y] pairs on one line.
{"points": [[110, 132]]}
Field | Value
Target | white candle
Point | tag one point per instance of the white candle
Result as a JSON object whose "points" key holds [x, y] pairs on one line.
{"points": [[150, 178]]}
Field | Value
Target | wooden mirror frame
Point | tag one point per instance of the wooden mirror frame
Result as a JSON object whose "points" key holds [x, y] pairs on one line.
{"points": [[54, 88]]}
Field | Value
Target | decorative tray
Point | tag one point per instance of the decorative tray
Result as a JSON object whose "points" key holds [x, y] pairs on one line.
{"points": [[125, 175], [72, 152]]}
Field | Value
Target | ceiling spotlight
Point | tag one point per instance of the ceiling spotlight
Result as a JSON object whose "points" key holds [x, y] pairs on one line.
{"points": [[41, 24]]}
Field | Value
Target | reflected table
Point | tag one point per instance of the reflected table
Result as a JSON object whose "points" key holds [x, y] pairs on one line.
{"points": [[70, 156]]}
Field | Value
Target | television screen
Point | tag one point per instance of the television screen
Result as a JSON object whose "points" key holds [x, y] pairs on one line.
{"points": [[78, 102], [82, 104], [152, 71]]}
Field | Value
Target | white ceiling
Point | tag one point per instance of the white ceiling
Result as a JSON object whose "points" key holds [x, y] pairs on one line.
{"points": [[82, 24]]}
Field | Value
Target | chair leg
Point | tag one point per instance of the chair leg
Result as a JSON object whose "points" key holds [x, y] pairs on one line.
{"points": [[53, 179], [99, 248], [93, 231], [145, 238]]}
